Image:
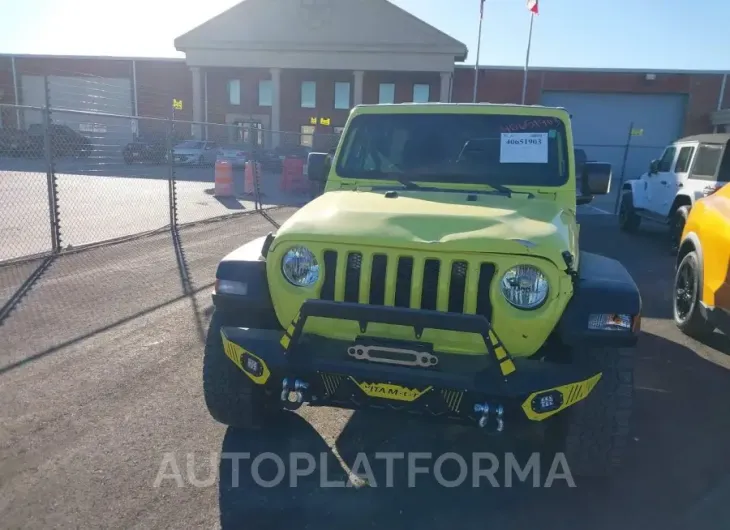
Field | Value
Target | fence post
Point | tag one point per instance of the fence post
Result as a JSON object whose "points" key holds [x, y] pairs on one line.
{"points": [[51, 181], [623, 166], [171, 189]]}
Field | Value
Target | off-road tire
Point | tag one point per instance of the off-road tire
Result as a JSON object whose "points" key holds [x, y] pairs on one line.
{"points": [[231, 397], [676, 227], [695, 324], [597, 430], [628, 220]]}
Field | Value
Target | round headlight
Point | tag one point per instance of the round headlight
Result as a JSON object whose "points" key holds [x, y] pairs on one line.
{"points": [[300, 267], [524, 286]]}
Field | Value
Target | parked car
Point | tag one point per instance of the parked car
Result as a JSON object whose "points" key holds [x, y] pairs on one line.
{"points": [[64, 141], [233, 153], [689, 169], [13, 142], [195, 153], [701, 294], [145, 150]]}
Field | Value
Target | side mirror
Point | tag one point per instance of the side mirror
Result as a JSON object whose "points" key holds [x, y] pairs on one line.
{"points": [[318, 166], [654, 167], [596, 179]]}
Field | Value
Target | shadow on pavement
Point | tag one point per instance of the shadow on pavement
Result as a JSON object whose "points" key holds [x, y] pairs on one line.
{"points": [[669, 467], [18, 279], [85, 293]]}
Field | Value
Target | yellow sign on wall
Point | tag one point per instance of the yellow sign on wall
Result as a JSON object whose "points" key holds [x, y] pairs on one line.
{"points": [[322, 121], [177, 104]]}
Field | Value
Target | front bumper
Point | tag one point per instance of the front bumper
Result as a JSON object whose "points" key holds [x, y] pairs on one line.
{"points": [[409, 376]]}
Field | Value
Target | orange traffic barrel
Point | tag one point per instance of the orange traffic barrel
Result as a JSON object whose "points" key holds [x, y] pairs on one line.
{"points": [[223, 179]]}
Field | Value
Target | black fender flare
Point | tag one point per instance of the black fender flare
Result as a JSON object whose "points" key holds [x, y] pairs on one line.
{"points": [[691, 241], [246, 266], [603, 286]]}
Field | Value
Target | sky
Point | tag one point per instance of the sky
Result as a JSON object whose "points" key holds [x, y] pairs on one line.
{"points": [[649, 34]]}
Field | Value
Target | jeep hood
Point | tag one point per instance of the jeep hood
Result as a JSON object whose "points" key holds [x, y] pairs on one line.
{"points": [[437, 220]]}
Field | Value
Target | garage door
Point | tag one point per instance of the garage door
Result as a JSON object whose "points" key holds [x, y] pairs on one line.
{"points": [[601, 125], [93, 94]]}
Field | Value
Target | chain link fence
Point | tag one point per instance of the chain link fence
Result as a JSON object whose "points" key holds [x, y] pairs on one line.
{"points": [[73, 179]]}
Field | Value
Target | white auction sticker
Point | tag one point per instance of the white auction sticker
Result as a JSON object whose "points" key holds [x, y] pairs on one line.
{"points": [[524, 148]]}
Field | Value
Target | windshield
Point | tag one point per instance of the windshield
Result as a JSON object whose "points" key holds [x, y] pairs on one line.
{"points": [[460, 148], [190, 145]]}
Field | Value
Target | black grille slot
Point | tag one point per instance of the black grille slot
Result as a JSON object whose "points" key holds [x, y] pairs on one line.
{"points": [[403, 280], [457, 287], [352, 277], [458, 273], [484, 304], [328, 285], [377, 279], [429, 293]]}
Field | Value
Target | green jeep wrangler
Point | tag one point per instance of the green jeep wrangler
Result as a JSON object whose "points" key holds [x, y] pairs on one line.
{"points": [[438, 273]]}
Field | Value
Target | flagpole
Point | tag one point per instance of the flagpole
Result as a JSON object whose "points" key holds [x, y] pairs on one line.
{"points": [[527, 59], [479, 45]]}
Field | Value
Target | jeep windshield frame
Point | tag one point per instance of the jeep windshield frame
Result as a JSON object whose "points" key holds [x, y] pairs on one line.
{"points": [[456, 148]]}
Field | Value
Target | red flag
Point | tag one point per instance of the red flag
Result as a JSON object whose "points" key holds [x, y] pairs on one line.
{"points": [[481, 9], [532, 6]]}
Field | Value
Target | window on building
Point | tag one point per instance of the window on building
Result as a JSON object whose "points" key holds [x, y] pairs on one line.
{"points": [[309, 94], [234, 91], [306, 137], [707, 162], [683, 160], [387, 93], [421, 93], [266, 93], [342, 96], [665, 164]]}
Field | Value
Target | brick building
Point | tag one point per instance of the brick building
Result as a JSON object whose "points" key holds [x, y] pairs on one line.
{"points": [[298, 66]]}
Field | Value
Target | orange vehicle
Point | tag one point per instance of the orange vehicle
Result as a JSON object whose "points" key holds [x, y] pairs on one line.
{"points": [[701, 295]]}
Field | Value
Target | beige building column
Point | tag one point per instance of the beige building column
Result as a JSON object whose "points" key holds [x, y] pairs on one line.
{"points": [[196, 130], [445, 87], [275, 106], [357, 92]]}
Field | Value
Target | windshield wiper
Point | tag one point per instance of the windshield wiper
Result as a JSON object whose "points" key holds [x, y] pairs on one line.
{"points": [[407, 184], [500, 188]]}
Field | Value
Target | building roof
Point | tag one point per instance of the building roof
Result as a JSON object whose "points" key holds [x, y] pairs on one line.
{"points": [[312, 25]]}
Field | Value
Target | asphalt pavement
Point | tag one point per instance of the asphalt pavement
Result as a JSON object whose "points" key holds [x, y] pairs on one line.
{"points": [[103, 424]]}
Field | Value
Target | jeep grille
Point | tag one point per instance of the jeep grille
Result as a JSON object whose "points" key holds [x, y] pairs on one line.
{"points": [[453, 286]]}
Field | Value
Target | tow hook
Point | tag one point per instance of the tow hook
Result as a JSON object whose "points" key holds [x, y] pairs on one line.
{"points": [[292, 393], [484, 409]]}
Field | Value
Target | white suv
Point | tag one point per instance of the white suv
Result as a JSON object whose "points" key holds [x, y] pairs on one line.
{"points": [[690, 168]]}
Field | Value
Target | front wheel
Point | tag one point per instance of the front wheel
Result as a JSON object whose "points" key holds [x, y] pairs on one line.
{"points": [[231, 397], [686, 298], [597, 431], [676, 228]]}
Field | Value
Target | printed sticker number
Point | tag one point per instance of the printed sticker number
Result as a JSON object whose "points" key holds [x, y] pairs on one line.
{"points": [[523, 148]]}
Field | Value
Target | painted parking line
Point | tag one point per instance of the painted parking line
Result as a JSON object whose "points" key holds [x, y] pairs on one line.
{"points": [[599, 210]]}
